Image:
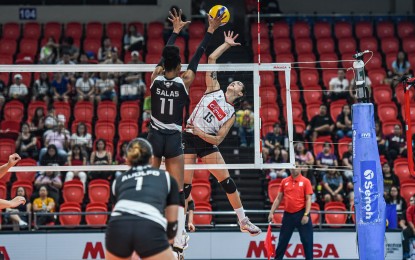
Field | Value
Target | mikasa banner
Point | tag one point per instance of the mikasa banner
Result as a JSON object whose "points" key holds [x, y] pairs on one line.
{"points": [[203, 245]]}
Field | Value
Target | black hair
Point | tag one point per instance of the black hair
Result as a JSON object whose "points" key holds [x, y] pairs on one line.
{"points": [[121, 151], [405, 59], [238, 101], [81, 154], [36, 119], [100, 140], [171, 57], [139, 152], [25, 195], [77, 128]]}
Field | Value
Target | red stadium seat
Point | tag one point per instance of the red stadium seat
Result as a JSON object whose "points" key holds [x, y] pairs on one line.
{"points": [[374, 63], [268, 95], [343, 30], [201, 191], [196, 95], [28, 46], [130, 110], [28, 176], [14, 111], [8, 47], [201, 176], [325, 45], [281, 78], [84, 111], [307, 57], [96, 219], [270, 113], [368, 43], [277, 217], [127, 130], [382, 94], [202, 219], [347, 45], [329, 60], [313, 95], [115, 30], [11, 31], [265, 58], [407, 190], [263, 31], [3, 191], [99, 191], [390, 58], [322, 30], [155, 30], [31, 30], [273, 189], [315, 217], [385, 29], [364, 29], [155, 46], [387, 111], [105, 130], [400, 167], [264, 47], [336, 107], [197, 30], [285, 58], [405, 29], [319, 143], [11, 129], [266, 128], [33, 105], [138, 25], [309, 78], [70, 220], [295, 94], [74, 30], [6, 59], [53, 29], [92, 45], [390, 45], [303, 46], [28, 186], [408, 45], [377, 76], [73, 191], [267, 77], [312, 110], [281, 30], [107, 111], [299, 126], [388, 126], [301, 30], [343, 146], [282, 46], [400, 95], [297, 111], [411, 110], [94, 30], [335, 218]]}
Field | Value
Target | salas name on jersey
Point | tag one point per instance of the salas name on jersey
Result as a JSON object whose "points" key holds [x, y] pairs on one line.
{"points": [[167, 93]]}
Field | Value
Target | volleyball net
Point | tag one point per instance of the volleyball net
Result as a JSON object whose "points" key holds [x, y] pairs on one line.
{"points": [[122, 115]]}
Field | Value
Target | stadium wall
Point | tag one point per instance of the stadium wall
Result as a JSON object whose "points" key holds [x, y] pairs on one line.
{"points": [[203, 245]]}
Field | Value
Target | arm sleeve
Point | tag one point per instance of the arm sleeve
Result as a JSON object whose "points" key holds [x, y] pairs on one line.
{"points": [[194, 62], [191, 205], [173, 196]]}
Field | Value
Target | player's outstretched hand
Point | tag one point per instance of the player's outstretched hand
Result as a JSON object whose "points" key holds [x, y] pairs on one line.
{"points": [[176, 19], [214, 23], [230, 39], [17, 201], [191, 227], [13, 159]]}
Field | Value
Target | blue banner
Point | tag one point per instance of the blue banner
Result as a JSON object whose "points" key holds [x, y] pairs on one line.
{"points": [[368, 191], [391, 216]]}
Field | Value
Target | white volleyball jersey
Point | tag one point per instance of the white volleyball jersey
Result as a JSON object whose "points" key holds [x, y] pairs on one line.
{"points": [[211, 112]]}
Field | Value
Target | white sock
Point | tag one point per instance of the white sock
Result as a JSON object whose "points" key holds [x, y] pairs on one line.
{"points": [[181, 219], [240, 213], [21, 222]]}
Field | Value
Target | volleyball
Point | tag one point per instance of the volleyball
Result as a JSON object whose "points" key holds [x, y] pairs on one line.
{"points": [[218, 10]]}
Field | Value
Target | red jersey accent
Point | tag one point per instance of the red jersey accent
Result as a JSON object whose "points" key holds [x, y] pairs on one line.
{"points": [[216, 110]]}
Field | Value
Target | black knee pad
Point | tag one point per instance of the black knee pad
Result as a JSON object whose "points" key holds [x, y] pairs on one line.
{"points": [[228, 185], [182, 200], [187, 189]]}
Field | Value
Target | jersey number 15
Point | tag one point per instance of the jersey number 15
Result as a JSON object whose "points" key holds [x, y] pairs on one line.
{"points": [[163, 106]]}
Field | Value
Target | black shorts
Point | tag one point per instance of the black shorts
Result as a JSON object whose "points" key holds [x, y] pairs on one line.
{"points": [[193, 144], [167, 145], [125, 235]]}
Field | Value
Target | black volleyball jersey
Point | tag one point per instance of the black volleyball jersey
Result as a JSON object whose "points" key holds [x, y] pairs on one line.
{"points": [[145, 192], [168, 98]]}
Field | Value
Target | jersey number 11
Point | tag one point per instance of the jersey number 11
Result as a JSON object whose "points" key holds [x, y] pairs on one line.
{"points": [[163, 105]]}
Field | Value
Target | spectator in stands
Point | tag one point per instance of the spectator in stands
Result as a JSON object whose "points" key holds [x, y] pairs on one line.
{"points": [[58, 137], [121, 156], [68, 47], [245, 123], [104, 52], [3, 93], [37, 125], [380, 138], [133, 40], [51, 120], [302, 155], [41, 88], [44, 204], [409, 231], [66, 59], [275, 143], [18, 90], [389, 178], [49, 52], [113, 57], [325, 160], [395, 198], [347, 161], [168, 25], [320, 125], [100, 157], [83, 59], [395, 144], [50, 179], [85, 88], [339, 86], [20, 218], [76, 158], [83, 139], [134, 87], [147, 108], [333, 186], [61, 88], [401, 65], [105, 88], [26, 143], [344, 123]]}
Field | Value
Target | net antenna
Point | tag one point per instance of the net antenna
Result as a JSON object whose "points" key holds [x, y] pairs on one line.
{"points": [[408, 83], [255, 69]]}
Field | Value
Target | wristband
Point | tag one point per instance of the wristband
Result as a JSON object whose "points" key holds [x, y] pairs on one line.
{"points": [[306, 214], [171, 229]]}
